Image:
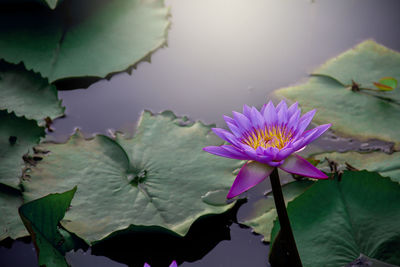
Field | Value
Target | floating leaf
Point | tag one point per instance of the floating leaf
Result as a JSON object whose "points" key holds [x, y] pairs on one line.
{"points": [[334, 222], [385, 164], [27, 94], [17, 136], [90, 38], [10, 222], [365, 64], [386, 84], [263, 213], [156, 178], [41, 217], [351, 113]]}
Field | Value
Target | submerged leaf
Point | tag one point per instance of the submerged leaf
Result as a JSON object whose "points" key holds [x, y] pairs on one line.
{"points": [[28, 94], [158, 177], [17, 137], [335, 221], [41, 217], [90, 38]]}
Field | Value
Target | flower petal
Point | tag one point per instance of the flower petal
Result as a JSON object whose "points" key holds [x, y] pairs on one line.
{"points": [[247, 111], [315, 133], [234, 129], [281, 105], [305, 121], [292, 109], [229, 120], [146, 265], [242, 121], [251, 174], [282, 113], [257, 119], [293, 120], [297, 165], [227, 136], [173, 264], [226, 153], [270, 115]]}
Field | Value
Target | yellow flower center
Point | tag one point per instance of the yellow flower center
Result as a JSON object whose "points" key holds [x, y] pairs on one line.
{"points": [[274, 136]]}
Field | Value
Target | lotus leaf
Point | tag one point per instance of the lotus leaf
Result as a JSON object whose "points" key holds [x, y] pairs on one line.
{"points": [[41, 217], [27, 94], [359, 114], [335, 221], [156, 178], [10, 222], [385, 164], [17, 136], [89, 38]]}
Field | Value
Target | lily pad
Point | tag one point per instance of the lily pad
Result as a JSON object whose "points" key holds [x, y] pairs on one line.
{"points": [[41, 217], [335, 221], [28, 94], [385, 164], [156, 178], [17, 136], [263, 214], [351, 113], [91, 38], [365, 64], [10, 222]]}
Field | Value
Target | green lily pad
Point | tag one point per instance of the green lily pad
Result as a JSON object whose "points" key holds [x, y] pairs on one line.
{"points": [[351, 113], [17, 137], [90, 38], [156, 178], [263, 214], [41, 217], [362, 114], [28, 94], [10, 222], [365, 64], [335, 221], [385, 164]]}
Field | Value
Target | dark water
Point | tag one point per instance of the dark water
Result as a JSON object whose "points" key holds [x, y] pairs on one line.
{"points": [[222, 54]]}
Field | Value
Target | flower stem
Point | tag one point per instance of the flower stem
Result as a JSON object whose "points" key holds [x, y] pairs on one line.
{"points": [[286, 232]]}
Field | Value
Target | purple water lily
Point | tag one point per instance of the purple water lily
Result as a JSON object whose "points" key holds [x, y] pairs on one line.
{"points": [[267, 138], [173, 264]]}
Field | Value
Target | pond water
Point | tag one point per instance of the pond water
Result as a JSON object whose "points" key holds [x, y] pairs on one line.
{"points": [[220, 55]]}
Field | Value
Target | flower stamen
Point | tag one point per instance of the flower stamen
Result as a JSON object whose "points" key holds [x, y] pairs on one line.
{"points": [[273, 136]]}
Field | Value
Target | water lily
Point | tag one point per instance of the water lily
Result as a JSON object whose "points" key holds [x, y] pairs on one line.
{"points": [[268, 139], [173, 264]]}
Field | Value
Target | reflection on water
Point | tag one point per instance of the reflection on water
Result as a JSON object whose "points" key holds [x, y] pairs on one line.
{"points": [[222, 54]]}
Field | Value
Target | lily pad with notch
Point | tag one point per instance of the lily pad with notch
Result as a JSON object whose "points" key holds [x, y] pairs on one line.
{"points": [[156, 178], [335, 90]]}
